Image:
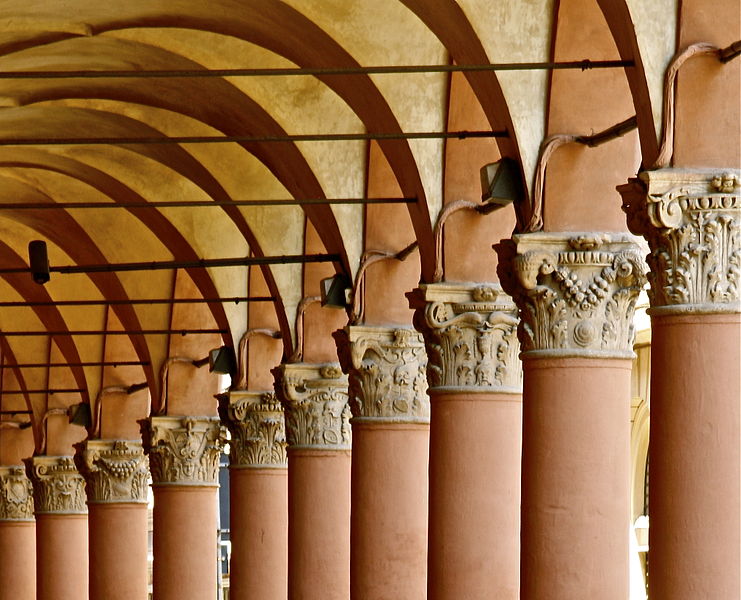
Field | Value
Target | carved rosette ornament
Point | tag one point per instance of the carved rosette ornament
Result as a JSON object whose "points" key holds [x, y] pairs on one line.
{"points": [[692, 222], [576, 292], [257, 426], [58, 488], [16, 495], [387, 373], [470, 333], [114, 471], [183, 451], [314, 399]]}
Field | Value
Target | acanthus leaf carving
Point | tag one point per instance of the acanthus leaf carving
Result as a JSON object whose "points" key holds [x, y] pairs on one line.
{"points": [[114, 471], [16, 494], [315, 405], [257, 426], [58, 488], [183, 450]]}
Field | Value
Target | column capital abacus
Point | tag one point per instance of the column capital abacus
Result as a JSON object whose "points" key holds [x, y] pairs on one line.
{"points": [[691, 219], [58, 487], [314, 399], [183, 450], [576, 292], [115, 471], [470, 332], [386, 368], [257, 426], [16, 494]]}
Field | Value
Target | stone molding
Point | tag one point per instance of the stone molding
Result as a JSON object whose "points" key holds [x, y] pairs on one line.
{"points": [[692, 222], [115, 471], [470, 332], [257, 426], [386, 368], [16, 495], [183, 450], [58, 488], [315, 404], [576, 292]]}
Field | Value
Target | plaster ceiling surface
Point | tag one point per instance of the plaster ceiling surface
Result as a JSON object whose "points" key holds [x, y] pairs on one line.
{"points": [[145, 35]]}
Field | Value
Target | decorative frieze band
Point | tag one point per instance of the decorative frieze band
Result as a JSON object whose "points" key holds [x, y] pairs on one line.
{"points": [[58, 488], [386, 368], [692, 222], [314, 399], [114, 471], [16, 495], [183, 451], [257, 426], [470, 332], [576, 291]]}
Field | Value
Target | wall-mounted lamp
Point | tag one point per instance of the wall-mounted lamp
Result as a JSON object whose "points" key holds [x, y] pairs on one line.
{"points": [[38, 260], [335, 291], [222, 360], [79, 414], [500, 184]]}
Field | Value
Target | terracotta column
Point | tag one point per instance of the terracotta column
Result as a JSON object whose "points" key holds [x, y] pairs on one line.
{"points": [[692, 221], [314, 399], [116, 472], [258, 486], [184, 462], [17, 536], [576, 293], [475, 380], [61, 528], [391, 415]]}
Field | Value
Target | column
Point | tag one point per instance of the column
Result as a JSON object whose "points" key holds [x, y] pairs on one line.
{"points": [[184, 462], [391, 415], [692, 221], [61, 528], [475, 380], [17, 536], [576, 293], [116, 473], [258, 486], [317, 415]]}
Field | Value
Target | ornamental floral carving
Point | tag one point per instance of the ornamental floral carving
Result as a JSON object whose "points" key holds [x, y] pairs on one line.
{"points": [[386, 367], [576, 292], [183, 450], [16, 495], [114, 470], [470, 333], [58, 488], [314, 399], [256, 422], [692, 222]]}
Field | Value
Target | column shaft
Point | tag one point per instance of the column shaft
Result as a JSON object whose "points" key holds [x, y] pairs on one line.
{"points": [[17, 560]]}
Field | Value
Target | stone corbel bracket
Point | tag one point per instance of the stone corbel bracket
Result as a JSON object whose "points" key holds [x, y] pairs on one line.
{"points": [[692, 222], [257, 426], [576, 292], [58, 488], [16, 495], [470, 332], [386, 367], [115, 471], [314, 399], [183, 450]]}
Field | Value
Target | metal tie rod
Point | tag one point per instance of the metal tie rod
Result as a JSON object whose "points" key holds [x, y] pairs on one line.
{"points": [[116, 332], [104, 302]]}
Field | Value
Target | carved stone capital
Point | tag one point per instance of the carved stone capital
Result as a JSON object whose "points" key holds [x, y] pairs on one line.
{"points": [[183, 451], [314, 399], [16, 495], [257, 425], [470, 332], [576, 292], [387, 373], [692, 222], [58, 488], [114, 471]]}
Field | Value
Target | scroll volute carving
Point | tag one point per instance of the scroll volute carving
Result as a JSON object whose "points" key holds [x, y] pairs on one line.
{"points": [[114, 470], [58, 488], [16, 495]]}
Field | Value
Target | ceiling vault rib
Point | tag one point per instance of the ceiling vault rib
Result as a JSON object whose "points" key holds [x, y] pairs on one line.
{"points": [[203, 203], [584, 65], [104, 302]]}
